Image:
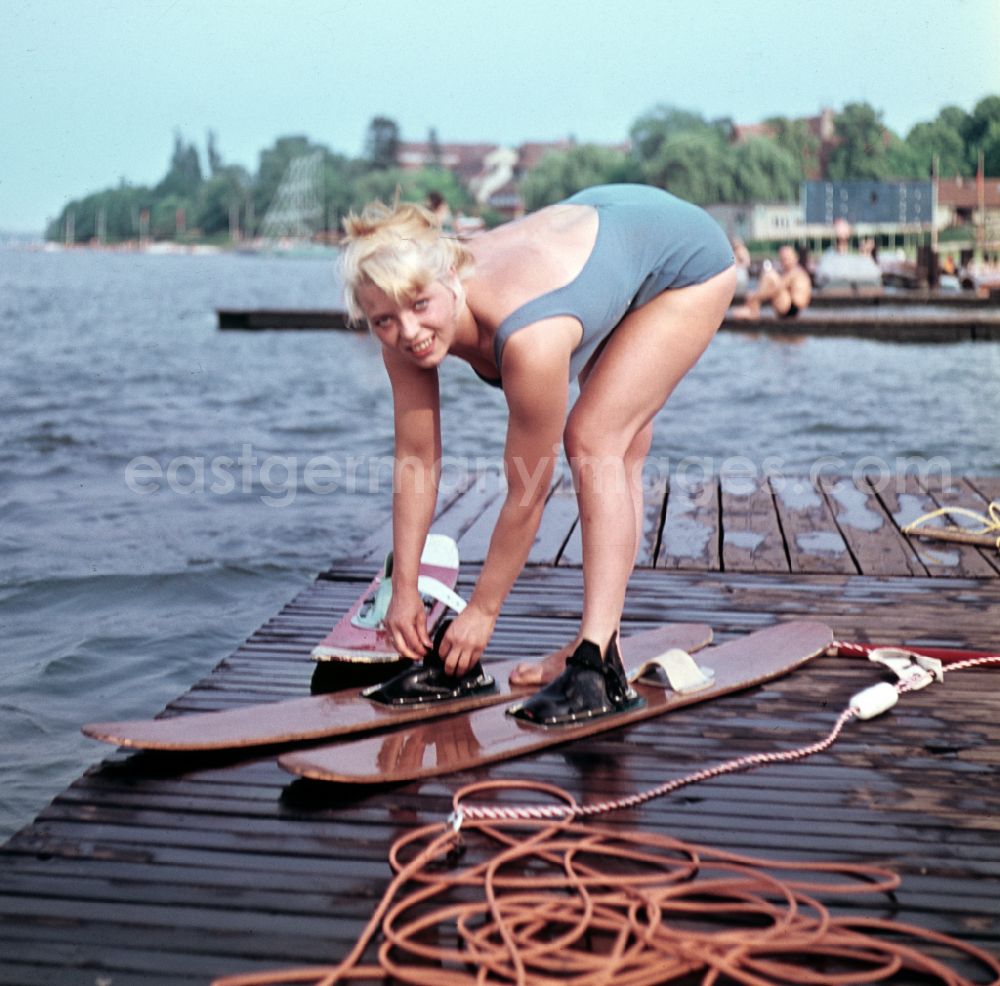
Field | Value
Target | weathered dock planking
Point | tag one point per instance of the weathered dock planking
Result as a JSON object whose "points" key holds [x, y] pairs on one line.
{"points": [[929, 319], [165, 870], [883, 323], [784, 525]]}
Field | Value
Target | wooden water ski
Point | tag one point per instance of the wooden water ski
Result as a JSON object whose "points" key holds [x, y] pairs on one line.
{"points": [[344, 713], [359, 637], [471, 740]]}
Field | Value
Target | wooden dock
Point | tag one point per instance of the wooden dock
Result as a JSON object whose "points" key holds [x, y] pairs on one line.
{"points": [[867, 316], [162, 870]]}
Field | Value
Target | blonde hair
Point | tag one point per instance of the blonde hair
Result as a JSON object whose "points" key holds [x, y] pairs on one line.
{"points": [[399, 249]]}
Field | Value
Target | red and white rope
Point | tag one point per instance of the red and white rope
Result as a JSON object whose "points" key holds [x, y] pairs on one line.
{"points": [[549, 812]]}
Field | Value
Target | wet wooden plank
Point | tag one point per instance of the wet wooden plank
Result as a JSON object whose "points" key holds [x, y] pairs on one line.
{"points": [[461, 515], [812, 539], [751, 532], [572, 552], [962, 493], [558, 520], [483, 502], [869, 531], [375, 546], [692, 525], [654, 502], [907, 499], [988, 487]]}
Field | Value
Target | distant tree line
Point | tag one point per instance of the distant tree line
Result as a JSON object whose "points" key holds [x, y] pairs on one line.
{"points": [[696, 158], [190, 203], [671, 148]]}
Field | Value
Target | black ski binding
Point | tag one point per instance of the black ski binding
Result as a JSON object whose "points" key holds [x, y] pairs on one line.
{"points": [[427, 683], [588, 688]]}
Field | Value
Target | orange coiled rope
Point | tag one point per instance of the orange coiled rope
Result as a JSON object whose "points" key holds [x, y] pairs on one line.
{"points": [[551, 901]]}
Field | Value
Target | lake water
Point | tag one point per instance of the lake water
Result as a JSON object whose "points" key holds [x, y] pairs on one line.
{"points": [[166, 487]]}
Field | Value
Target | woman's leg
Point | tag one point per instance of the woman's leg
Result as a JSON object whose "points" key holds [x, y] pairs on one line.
{"points": [[541, 672], [608, 432]]}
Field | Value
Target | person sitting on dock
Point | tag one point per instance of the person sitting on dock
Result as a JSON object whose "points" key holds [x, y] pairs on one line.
{"points": [[622, 286], [788, 290]]}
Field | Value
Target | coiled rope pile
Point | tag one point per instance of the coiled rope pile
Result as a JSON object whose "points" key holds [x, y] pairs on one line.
{"points": [[549, 899]]}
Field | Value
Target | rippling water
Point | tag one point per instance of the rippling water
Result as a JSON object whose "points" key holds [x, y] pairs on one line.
{"points": [[165, 487]]}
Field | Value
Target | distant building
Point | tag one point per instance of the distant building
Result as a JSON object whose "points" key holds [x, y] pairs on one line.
{"points": [[772, 221], [958, 203], [465, 161], [492, 173]]}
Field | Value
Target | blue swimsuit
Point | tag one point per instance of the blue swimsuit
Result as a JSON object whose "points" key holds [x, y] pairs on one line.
{"points": [[647, 241]]}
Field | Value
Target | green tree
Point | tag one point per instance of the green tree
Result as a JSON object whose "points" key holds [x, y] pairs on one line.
{"points": [[561, 173], [762, 171], [862, 144], [120, 210], [695, 166], [215, 164], [226, 193], [982, 133], [164, 216], [412, 186], [442, 181], [990, 144], [902, 161], [795, 137], [662, 123], [382, 143], [183, 176], [684, 153], [942, 138], [339, 176]]}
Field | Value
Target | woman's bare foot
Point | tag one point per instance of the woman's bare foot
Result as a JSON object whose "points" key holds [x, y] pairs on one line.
{"points": [[534, 673]]}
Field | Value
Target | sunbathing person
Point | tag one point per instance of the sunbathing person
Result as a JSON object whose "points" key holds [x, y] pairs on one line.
{"points": [[788, 290]]}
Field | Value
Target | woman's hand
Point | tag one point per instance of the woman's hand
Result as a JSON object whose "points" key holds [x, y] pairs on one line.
{"points": [[405, 623], [466, 639]]}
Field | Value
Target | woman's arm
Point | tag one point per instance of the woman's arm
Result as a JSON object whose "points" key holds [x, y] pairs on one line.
{"points": [[417, 418], [536, 385]]}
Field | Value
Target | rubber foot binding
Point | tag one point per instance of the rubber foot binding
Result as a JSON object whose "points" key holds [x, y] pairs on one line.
{"points": [[427, 682], [590, 687]]}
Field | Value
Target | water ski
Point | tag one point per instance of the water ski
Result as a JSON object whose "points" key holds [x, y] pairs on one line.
{"points": [[359, 637], [347, 712], [488, 735]]}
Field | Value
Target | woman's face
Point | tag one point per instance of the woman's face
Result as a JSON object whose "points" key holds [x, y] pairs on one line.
{"points": [[421, 328]]}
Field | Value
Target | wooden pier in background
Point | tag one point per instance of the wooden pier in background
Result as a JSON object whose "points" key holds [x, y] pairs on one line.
{"points": [[862, 316], [168, 870]]}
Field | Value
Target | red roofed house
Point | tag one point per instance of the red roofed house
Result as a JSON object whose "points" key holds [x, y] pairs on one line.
{"points": [[958, 202], [492, 173]]}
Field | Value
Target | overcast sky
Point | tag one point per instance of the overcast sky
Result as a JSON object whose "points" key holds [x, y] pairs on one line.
{"points": [[92, 92]]}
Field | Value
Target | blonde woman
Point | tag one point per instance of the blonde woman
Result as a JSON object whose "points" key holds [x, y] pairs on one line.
{"points": [[621, 286]]}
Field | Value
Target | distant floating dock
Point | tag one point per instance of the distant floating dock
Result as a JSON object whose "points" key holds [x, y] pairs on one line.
{"points": [[903, 323], [253, 319], [892, 316]]}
